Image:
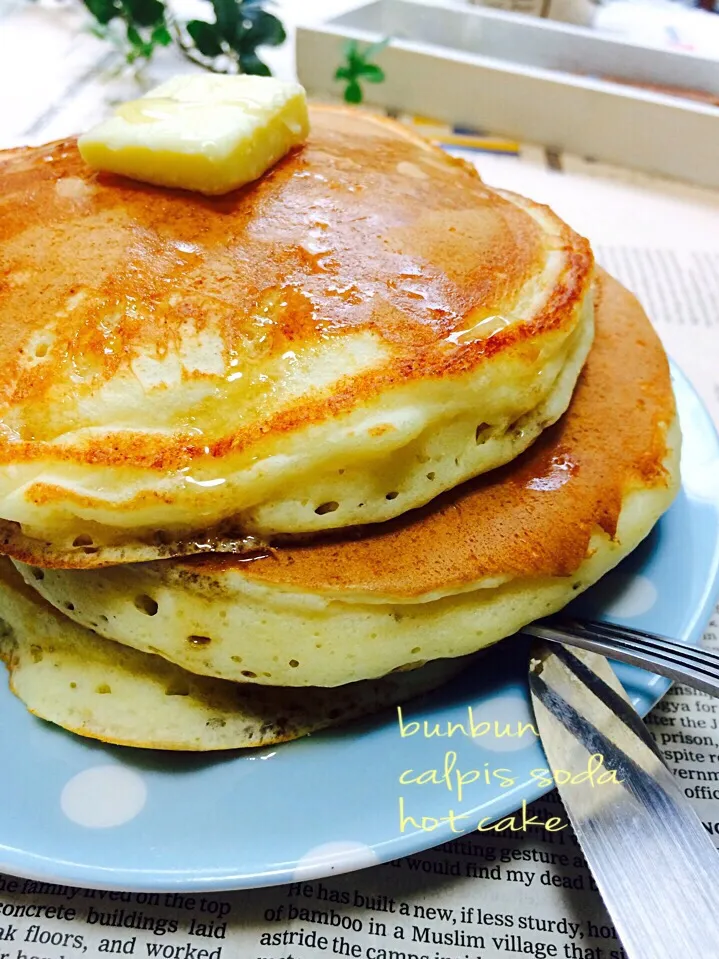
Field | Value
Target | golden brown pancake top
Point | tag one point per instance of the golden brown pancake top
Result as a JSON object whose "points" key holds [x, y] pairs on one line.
{"points": [[533, 517], [364, 227]]}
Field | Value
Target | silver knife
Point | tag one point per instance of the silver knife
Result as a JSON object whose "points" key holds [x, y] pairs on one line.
{"points": [[654, 863]]}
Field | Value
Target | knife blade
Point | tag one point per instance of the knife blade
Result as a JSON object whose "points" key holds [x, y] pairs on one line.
{"points": [[653, 862]]}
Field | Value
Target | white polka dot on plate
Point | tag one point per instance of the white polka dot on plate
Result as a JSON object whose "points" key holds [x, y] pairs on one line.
{"points": [[103, 796], [333, 858], [504, 724], [630, 595]]}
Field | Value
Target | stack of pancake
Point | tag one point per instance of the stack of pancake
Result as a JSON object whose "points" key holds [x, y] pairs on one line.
{"points": [[279, 458]]}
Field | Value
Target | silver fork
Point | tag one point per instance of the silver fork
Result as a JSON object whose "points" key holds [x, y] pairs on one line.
{"points": [[695, 667]]}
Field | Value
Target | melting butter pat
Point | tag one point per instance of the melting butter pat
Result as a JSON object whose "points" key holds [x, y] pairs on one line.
{"points": [[206, 133]]}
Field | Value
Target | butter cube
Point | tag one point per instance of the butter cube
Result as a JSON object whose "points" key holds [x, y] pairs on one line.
{"points": [[208, 133]]}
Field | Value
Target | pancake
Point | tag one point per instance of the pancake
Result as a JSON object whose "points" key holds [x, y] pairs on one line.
{"points": [[469, 569], [366, 326], [98, 689]]}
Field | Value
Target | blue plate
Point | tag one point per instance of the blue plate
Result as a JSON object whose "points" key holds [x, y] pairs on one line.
{"points": [[78, 812]]}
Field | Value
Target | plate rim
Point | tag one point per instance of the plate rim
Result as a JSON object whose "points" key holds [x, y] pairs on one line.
{"points": [[25, 864]]}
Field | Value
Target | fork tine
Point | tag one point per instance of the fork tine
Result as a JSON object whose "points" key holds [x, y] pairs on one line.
{"points": [[667, 659], [615, 627], [702, 657], [706, 679]]}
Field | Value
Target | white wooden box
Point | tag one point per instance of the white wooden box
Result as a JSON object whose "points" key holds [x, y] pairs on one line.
{"points": [[528, 78]]}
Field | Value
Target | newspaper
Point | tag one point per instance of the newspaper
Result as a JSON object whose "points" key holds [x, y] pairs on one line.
{"points": [[481, 896], [485, 895]]}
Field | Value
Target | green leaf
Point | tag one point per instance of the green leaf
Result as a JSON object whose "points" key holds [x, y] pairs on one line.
{"points": [[274, 31], [102, 10], [353, 92], [227, 17], [372, 73], [205, 37], [145, 13], [139, 49], [354, 57], [252, 64], [357, 67], [133, 37], [259, 28], [161, 36]]}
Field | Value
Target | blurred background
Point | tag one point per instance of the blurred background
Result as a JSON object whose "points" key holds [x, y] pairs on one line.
{"points": [[628, 82]]}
